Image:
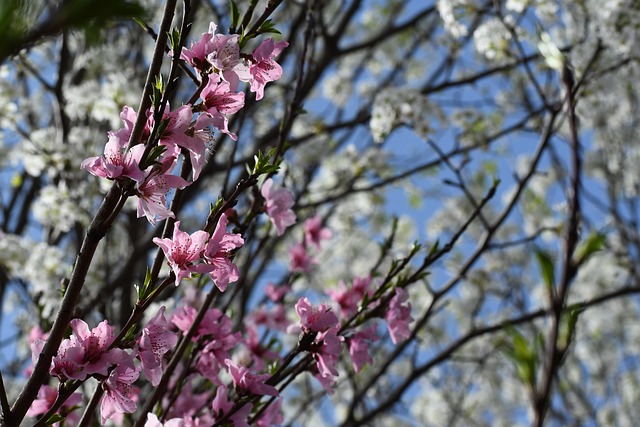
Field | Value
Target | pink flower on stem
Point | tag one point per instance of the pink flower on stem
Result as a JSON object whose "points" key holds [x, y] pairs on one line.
{"points": [[196, 54], [225, 57], [120, 394], [276, 293], [315, 319], [247, 382], [219, 254], [398, 316], [301, 262], [188, 404], [314, 232], [153, 421], [257, 352], [152, 196], [221, 406], [263, 68], [86, 352], [47, 396], [129, 117], [321, 338], [272, 318], [37, 339], [219, 101], [278, 204], [272, 416], [184, 252], [156, 340], [117, 161], [180, 132], [350, 299], [359, 345], [218, 97]]}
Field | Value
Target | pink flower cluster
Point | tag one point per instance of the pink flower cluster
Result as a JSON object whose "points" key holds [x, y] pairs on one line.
{"points": [[89, 353], [321, 325], [200, 253], [188, 128], [222, 54]]}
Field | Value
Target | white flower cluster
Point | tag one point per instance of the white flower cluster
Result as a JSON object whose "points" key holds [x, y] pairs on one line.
{"points": [[492, 39], [401, 106], [59, 207]]}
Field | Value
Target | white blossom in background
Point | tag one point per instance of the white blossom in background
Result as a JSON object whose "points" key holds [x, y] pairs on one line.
{"points": [[402, 106], [58, 207], [44, 269], [492, 39]]}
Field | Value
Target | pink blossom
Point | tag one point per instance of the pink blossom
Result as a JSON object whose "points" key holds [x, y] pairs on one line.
{"points": [[257, 353], [315, 319], [272, 416], [216, 332], [180, 132], [47, 396], [327, 351], [37, 339], [196, 54], [153, 421], [117, 161], [272, 318], [359, 345], [221, 406], [129, 117], [398, 316], [219, 101], [276, 293], [278, 204], [350, 299], [184, 252], [217, 350], [263, 68], [219, 254], [314, 232], [248, 382], [188, 404], [300, 262], [86, 352], [156, 340], [322, 326], [218, 97], [120, 394], [152, 196], [225, 57]]}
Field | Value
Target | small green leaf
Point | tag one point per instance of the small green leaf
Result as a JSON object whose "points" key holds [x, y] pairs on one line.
{"points": [[546, 267], [156, 151], [55, 418], [131, 334], [144, 291], [594, 243], [523, 355], [568, 325], [268, 27], [235, 14]]}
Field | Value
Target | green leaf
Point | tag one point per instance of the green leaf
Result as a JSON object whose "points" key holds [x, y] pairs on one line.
{"points": [[143, 291], [156, 151], [268, 27], [174, 38], [523, 355], [263, 165], [546, 268], [568, 325], [595, 242], [55, 418], [235, 14]]}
